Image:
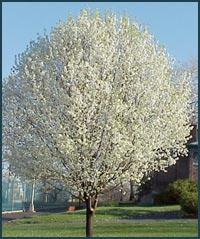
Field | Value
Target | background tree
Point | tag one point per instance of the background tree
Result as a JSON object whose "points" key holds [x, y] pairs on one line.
{"points": [[100, 96], [192, 67], [21, 152]]}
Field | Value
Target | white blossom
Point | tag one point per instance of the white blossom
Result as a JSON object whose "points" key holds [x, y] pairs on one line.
{"points": [[96, 102]]}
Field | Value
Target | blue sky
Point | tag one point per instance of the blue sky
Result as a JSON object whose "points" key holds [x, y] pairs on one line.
{"points": [[173, 24]]}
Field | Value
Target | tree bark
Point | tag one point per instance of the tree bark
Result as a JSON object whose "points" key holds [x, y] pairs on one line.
{"points": [[46, 197], [12, 194], [31, 207], [90, 209], [89, 218], [131, 191], [24, 197], [79, 201], [121, 193]]}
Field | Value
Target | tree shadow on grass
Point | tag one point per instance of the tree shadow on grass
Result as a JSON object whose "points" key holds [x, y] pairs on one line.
{"points": [[140, 214]]}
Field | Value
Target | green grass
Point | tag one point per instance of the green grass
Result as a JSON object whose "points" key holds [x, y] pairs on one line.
{"points": [[108, 221]]}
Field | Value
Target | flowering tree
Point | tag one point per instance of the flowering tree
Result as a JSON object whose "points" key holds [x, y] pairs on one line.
{"points": [[192, 67], [100, 98], [20, 151]]}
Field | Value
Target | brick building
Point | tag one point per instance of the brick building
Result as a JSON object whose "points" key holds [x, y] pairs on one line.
{"points": [[185, 168]]}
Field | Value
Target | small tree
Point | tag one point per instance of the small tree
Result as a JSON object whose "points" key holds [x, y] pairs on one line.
{"points": [[22, 166], [100, 96], [21, 153]]}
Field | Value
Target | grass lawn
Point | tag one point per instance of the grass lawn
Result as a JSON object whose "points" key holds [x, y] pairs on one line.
{"points": [[108, 221]]}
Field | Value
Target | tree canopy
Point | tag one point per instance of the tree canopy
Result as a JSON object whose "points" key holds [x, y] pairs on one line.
{"points": [[97, 101]]}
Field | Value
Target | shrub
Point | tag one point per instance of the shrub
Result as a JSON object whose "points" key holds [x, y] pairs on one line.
{"points": [[179, 188], [175, 191], [189, 203]]}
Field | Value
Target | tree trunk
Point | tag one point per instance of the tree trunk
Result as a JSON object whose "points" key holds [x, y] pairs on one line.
{"points": [[24, 197], [131, 191], [89, 218], [12, 194], [55, 196], [79, 201], [89, 224], [90, 209], [121, 193], [46, 198], [31, 207]]}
